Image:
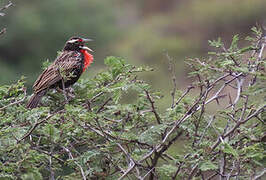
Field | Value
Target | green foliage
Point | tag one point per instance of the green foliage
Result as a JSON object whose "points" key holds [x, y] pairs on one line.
{"points": [[45, 64], [167, 170], [229, 150], [217, 43], [98, 134], [207, 165]]}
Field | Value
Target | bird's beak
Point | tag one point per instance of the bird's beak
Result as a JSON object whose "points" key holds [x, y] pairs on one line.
{"points": [[86, 40], [86, 48]]}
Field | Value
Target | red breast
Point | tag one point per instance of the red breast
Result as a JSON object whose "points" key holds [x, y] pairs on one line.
{"points": [[88, 58]]}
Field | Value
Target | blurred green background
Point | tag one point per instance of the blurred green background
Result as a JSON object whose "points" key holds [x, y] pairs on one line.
{"points": [[141, 31]]}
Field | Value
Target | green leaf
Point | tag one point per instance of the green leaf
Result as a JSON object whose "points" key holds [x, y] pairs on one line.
{"points": [[46, 63], [216, 43], [53, 132], [32, 174], [245, 49], [228, 149], [212, 53], [227, 63], [117, 95], [114, 62], [256, 31], [234, 43], [117, 65], [241, 69], [152, 134], [207, 165], [4, 176], [167, 170]]}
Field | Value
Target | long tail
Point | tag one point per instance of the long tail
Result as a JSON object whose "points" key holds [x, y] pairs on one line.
{"points": [[35, 99]]}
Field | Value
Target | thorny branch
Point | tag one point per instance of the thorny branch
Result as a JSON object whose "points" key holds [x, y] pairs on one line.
{"points": [[239, 78], [260, 175], [171, 68], [72, 158], [158, 119], [5, 7], [189, 119], [132, 163]]}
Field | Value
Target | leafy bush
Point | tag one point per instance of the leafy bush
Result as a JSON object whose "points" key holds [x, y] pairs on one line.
{"points": [[98, 134]]}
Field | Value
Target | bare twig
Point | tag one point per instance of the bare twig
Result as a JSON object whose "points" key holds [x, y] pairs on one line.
{"points": [[143, 178], [261, 174], [211, 176], [171, 67], [72, 158], [153, 107], [130, 168], [222, 165], [102, 106], [184, 94], [96, 96], [258, 111], [5, 7], [193, 171], [232, 169], [132, 163], [205, 129], [52, 177], [263, 40], [239, 89], [216, 96], [3, 31]]}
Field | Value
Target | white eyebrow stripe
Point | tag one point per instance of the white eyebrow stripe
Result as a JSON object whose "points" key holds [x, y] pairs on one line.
{"points": [[73, 40]]}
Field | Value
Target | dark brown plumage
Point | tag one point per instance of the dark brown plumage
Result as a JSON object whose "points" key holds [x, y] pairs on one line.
{"points": [[67, 67]]}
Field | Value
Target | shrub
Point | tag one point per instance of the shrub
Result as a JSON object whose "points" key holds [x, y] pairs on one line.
{"points": [[216, 131]]}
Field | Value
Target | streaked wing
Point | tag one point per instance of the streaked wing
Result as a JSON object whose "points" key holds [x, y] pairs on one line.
{"points": [[50, 76]]}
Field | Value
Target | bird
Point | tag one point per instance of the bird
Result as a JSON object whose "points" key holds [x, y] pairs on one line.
{"points": [[64, 71]]}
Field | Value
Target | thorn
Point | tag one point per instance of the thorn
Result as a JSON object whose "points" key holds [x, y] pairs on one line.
{"points": [[230, 99], [217, 101]]}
